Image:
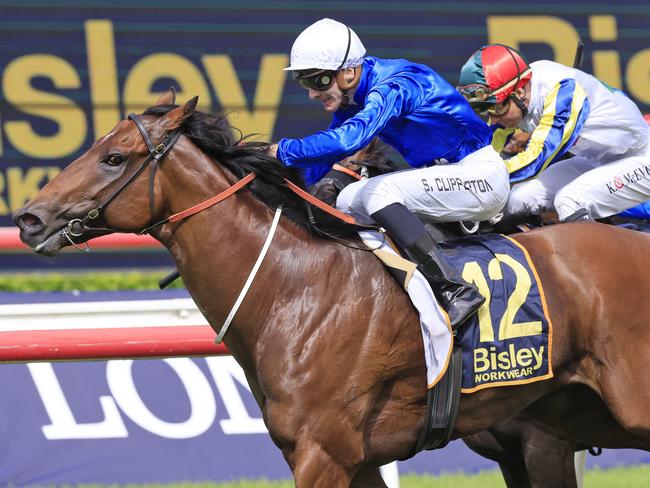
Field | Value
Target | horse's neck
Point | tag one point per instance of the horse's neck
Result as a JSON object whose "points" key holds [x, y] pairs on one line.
{"points": [[215, 251], [310, 298]]}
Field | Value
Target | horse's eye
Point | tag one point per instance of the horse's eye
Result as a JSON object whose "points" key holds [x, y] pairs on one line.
{"points": [[114, 160]]}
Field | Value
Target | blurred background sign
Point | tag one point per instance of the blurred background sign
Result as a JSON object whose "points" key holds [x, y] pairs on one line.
{"points": [[72, 69]]}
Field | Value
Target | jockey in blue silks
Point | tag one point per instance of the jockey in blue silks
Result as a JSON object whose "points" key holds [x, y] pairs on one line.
{"points": [[458, 175]]}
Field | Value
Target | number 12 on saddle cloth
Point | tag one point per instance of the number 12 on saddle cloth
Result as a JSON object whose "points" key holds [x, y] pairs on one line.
{"points": [[509, 341]]}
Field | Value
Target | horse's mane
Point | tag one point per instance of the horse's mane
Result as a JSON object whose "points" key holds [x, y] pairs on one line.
{"points": [[213, 134]]}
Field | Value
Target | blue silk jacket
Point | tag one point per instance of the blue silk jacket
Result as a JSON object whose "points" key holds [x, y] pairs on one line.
{"points": [[408, 105]]}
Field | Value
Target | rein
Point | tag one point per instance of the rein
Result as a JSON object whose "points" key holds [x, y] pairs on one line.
{"points": [[238, 186], [347, 171]]}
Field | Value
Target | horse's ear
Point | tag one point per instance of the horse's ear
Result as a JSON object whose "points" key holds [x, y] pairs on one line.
{"points": [[167, 98], [175, 117]]}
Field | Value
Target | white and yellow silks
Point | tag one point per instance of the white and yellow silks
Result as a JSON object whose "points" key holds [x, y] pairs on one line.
{"points": [[565, 109]]}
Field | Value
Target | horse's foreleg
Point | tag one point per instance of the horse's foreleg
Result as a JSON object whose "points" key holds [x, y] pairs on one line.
{"points": [[314, 467]]}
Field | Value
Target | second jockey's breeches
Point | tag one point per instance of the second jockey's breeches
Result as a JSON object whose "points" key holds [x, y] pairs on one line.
{"points": [[603, 189], [476, 188]]}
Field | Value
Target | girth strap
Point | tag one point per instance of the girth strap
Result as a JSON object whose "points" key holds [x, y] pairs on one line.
{"points": [[443, 402]]}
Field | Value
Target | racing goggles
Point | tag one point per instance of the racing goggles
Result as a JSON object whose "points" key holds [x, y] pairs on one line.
{"points": [[319, 79], [478, 96]]}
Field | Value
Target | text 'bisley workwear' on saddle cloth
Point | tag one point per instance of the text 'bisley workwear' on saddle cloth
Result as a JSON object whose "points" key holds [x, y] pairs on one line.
{"points": [[436, 332], [509, 341]]}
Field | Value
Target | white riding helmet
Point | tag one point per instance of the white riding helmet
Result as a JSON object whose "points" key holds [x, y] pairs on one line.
{"points": [[326, 44]]}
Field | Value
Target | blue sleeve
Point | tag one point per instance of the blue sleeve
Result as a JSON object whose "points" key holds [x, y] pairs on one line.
{"points": [[383, 103], [313, 174]]}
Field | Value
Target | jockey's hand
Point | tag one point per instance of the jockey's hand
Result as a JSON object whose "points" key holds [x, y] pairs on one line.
{"points": [[273, 150]]}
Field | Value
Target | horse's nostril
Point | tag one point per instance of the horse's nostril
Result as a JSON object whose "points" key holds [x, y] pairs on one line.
{"points": [[30, 219], [29, 222]]}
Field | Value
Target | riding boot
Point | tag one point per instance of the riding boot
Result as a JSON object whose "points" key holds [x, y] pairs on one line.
{"points": [[459, 298], [578, 216]]}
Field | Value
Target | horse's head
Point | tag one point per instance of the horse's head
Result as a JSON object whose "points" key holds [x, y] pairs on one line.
{"points": [[109, 188]]}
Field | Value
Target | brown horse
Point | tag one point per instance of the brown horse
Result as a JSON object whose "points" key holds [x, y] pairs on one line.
{"points": [[330, 344]]}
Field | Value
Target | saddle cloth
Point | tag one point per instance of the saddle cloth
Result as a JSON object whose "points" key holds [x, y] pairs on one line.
{"points": [[508, 341], [436, 330]]}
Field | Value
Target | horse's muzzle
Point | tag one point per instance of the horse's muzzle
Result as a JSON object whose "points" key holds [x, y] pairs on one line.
{"points": [[42, 237], [29, 223]]}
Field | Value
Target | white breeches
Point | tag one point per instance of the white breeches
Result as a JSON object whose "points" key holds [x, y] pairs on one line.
{"points": [[580, 183], [476, 188]]}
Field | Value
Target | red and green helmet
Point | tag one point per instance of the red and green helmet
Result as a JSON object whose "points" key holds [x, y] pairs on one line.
{"points": [[491, 75]]}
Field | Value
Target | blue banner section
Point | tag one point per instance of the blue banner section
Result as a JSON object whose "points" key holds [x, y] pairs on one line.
{"points": [[153, 421], [73, 68], [146, 421], [508, 342], [90, 296], [132, 422], [159, 421]]}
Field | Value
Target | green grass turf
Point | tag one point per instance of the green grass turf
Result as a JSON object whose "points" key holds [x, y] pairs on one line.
{"points": [[628, 477]]}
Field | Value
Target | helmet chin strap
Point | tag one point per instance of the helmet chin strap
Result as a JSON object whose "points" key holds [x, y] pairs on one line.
{"points": [[520, 103], [345, 99], [339, 79], [346, 86]]}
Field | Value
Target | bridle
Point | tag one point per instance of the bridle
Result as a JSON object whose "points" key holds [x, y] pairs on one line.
{"points": [[77, 227]]}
